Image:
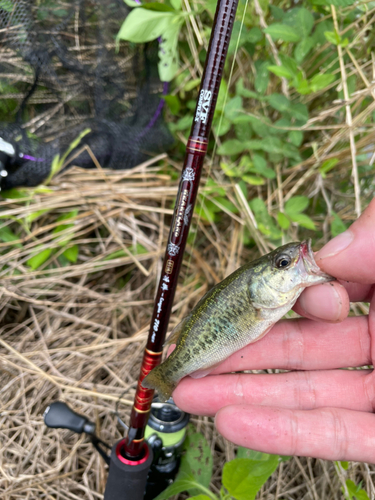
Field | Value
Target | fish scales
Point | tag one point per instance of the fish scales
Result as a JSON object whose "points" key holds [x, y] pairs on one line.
{"points": [[237, 311]]}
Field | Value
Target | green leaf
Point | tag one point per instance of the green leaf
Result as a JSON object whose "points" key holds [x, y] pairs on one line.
{"points": [[254, 35], [260, 165], [328, 165], [361, 495], [243, 131], [227, 204], [39, 259], [173, 103], [283, 220], [182, 483], [230, 170], [333, 37], [60, 12], [70, 215], [274, 145], [206, 210], [142, 25], [266, 224], [344, 465], [192, 84], [303, 220], [318, 35], [71, 253], [355, 490], [157, 6], [260, 127], [243, 477], [168, 54], [6, 5], [303, 48], [303, 87], [233, 107], [280, 31], [62, 227], [280, 71], [254, 180], [239, 36], [200, 497], [290, 64], [231, 147], [131, 3], [296, 137], [296, 204], [35, 215], [262, 77], [58, 163], [277, 13], [176, 4], [299, 111], [183, 123], [197, 460], [7, 236], [305, 21], [242, 91], [16, 194], [210, 6], [319, 82], [254, 455], [339, 3], [337, 226], [279, 102], [221, 97], [221, 124]]}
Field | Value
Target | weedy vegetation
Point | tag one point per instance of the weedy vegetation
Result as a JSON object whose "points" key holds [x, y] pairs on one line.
{"points": [[291, 156]]}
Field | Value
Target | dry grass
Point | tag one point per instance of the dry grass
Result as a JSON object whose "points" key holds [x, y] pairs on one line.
{"points": [[76, 332]]}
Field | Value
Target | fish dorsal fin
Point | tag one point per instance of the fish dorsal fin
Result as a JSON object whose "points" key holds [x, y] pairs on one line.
{"points": [[176, 332]]}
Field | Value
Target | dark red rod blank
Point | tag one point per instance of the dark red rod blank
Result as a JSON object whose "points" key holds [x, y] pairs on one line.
{"points": [[187, 192]]}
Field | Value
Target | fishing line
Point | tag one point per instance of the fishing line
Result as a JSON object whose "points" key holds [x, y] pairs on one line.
{"points": [[203, 196]]}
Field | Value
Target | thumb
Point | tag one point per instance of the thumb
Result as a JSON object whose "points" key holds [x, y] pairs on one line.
{"points": [[351, 255]]}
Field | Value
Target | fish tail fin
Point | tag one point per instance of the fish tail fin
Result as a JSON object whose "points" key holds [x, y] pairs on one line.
{"points": [[157, 380]]}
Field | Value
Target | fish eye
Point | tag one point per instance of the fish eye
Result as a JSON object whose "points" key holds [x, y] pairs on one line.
{"points": [[283, 261]]}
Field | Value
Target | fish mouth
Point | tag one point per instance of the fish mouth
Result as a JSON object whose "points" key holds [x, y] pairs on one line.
{"points": [[306, 255]]}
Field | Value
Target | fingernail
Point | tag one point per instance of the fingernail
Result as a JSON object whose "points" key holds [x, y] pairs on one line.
{"points": [[335, 246]]}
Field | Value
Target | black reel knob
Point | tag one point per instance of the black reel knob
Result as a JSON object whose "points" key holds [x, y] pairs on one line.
{"points": [[58, 415]]}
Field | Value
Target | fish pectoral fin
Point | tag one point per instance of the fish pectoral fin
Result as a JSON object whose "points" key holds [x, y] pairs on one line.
{"points": [[175, 334]]}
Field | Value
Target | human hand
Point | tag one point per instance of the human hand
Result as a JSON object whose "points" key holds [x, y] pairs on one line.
{"points": [[317, 410]]}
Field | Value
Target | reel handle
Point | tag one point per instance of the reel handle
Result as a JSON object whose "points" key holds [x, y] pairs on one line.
{"points": [[58, 415]]}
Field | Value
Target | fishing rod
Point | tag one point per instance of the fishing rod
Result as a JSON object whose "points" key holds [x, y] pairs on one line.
{"points": [[131, 458], [132, 452]]}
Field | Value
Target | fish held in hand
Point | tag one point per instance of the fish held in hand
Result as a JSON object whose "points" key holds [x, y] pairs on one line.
{"points": [[239, 310]]}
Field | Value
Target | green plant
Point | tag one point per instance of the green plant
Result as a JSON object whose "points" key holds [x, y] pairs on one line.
{"points": [[242, 477], [150, 21]]}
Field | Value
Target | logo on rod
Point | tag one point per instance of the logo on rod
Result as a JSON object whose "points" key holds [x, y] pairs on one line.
{"points": [[203, 106]]}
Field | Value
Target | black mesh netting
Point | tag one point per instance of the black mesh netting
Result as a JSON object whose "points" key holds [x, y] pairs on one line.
{"points": [[62, 73]]}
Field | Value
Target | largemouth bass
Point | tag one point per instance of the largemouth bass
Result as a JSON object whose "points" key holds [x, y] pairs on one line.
{"points": [[239, 310]]}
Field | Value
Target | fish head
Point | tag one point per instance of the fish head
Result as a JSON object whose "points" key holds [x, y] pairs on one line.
{"points": [[285, 273], [293, 265]]}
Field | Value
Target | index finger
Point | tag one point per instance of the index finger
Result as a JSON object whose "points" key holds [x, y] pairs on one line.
{"points": [[303, 344], [351, 255]]}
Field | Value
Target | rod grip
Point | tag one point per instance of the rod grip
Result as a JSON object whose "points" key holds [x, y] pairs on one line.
{"points": [[127, 479]]}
